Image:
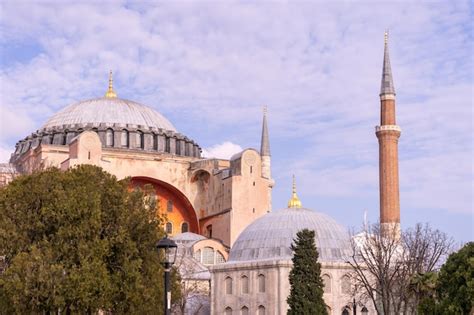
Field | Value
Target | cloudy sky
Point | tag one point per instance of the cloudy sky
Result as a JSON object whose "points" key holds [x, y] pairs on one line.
{"points": [[209, 67]]}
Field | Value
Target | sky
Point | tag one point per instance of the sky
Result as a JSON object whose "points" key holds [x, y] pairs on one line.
{"points": [[210, 67]]}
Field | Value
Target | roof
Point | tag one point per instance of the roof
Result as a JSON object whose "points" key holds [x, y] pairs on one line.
{"points": [[271, 236], [112, 111]]}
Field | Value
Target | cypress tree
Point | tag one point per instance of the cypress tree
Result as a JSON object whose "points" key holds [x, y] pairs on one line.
{"points": [[306, 295]]}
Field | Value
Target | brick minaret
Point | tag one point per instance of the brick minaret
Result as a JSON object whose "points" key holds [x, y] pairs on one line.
{"points": [[387, 134]]}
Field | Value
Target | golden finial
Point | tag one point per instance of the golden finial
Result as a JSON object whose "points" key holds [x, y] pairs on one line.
{"points": [[110, 92], [386, 36], [294, 201]]}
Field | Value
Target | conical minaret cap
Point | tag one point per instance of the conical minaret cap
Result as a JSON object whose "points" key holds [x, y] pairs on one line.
{"points": [[387, 86], [294, 201], [265, 142]]}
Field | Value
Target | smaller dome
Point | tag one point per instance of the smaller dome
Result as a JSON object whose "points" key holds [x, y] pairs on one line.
{"points": [[271, 236], [188, 237]]}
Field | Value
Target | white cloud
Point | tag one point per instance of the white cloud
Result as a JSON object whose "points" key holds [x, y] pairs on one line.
{"points": [[224, 150]]}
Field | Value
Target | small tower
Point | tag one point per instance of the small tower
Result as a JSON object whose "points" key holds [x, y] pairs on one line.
{"points": [[387, 134]]}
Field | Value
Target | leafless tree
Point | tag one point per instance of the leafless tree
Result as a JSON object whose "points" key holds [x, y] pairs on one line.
{"points": [[385, 263]]}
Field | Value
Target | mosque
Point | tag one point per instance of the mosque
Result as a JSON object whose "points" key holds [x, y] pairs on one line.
{"points": [[233, 247]]}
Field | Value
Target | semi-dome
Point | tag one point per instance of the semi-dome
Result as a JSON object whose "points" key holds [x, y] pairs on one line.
{"points": [[271, 236], [109, 110]]}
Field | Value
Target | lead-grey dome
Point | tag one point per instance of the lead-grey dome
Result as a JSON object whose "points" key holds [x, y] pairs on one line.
{"points": [[271, 236], [109, 110]]}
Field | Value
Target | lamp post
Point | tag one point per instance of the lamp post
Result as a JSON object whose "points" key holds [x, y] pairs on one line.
{"points": [[168, 248], [364, 310]]}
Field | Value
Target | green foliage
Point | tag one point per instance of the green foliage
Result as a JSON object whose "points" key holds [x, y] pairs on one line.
{"points": [[455, 285], [78, 241], [306, 295]]}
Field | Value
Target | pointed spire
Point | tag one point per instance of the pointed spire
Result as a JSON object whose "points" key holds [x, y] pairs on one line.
{"points": [[265, 142], [110, 92], [294, 201], [387, 86]]}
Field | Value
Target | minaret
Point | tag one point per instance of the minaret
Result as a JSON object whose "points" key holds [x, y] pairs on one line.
{"points": [[110, 92], [265, 148], [387, 134]]}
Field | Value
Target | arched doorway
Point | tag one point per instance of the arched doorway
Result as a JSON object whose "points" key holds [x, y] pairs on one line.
{"points": [[179, 213]]}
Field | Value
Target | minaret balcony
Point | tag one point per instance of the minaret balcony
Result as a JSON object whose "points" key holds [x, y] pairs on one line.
{"points": [[388, 127]]}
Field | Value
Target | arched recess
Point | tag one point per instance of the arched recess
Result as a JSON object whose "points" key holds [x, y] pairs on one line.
{"points": [[182, 210], [200, 183]]}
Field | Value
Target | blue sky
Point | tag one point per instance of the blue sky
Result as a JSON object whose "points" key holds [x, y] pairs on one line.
{"points": [[209, 67]]}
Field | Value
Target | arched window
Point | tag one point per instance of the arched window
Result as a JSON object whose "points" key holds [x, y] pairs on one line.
{"points": [[197, 255], [345, 285], [328, 309], [228, 311], [124, 138], [228, 285], [244, 310], [168, 145], [327, 283], [169, 206], [155, 142], [140, 142], [244, 284], [169, 228], [345, 311], [109, 138], [184, 227], [261, 310], [261, 283]]}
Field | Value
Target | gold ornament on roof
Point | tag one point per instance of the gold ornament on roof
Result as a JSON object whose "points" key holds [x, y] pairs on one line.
{"points": [[110, 92], [294, 201]]}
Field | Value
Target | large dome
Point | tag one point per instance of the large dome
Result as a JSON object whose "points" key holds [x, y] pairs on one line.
{"points": [[109, 110], [271, 236]]}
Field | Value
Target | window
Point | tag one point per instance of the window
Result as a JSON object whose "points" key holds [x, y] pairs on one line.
{"points": [[244, 310], [261, 283], [155, 142], [209, 230], [345, 285], [109, 138], [261, 310], [327, 283], [169, 206], [124, 138], [168, 145], [184, 227], [345, 311], [244, 284], [208, 256], [140, 140], [251, 169], [169, 228], [228, 285], [228, 311], [219, 258]]}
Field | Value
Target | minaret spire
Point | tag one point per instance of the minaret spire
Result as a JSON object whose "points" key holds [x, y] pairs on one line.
{"points": [[388, 134], [265, 143], [110, 92], [265, 148], [294, 201], [387, 87]]}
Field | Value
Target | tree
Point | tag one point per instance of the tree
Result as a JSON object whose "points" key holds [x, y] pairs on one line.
{"points": [[78, 241], [455, 285], [307, 287], [395, 271]]}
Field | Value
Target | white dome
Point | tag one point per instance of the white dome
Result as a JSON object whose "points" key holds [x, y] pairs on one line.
{"points": [[271, 236], [114, 111]]}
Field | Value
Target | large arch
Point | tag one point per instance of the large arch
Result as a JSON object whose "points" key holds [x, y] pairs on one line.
{"points": [[172, 202]]}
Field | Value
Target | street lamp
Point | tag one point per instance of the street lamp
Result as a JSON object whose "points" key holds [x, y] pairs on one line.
{"points": [[168, 247], [364, 310]]}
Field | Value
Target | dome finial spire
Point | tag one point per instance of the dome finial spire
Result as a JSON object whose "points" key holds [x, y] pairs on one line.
{"points": [[294, 201], [110, 92]]}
